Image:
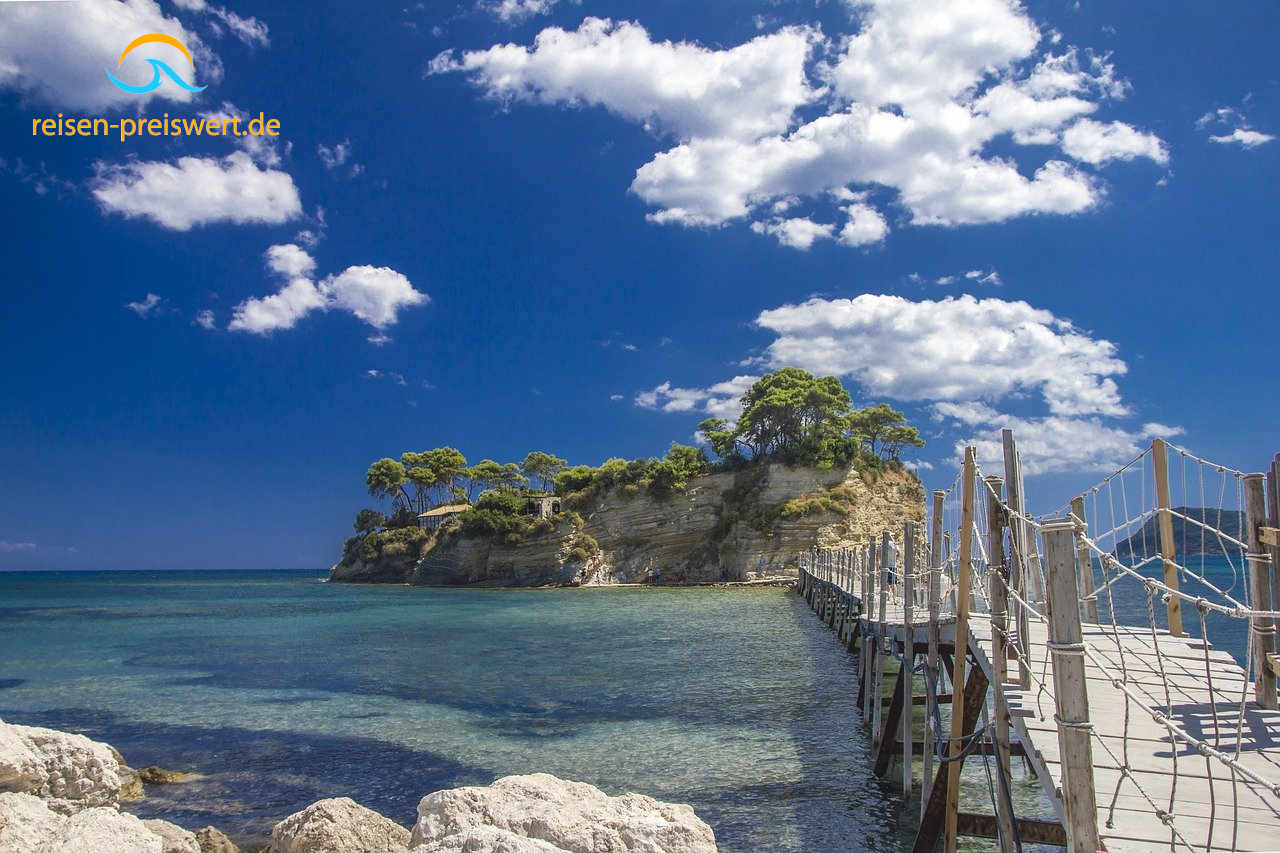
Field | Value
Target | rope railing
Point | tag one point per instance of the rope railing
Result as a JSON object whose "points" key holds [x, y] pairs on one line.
{"points": [[1135, 501], [983, 544]]}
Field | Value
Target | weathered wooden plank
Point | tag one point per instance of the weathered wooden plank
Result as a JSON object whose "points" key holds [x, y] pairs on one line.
{"points": [[907, 685], [1030, 830], [1070, 691], [1168, 548], [934, 636], [885, 747], [1264, 637], [958, 722]]}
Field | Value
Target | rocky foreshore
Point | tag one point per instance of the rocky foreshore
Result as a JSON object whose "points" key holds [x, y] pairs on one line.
{"points": [[61, 793]]}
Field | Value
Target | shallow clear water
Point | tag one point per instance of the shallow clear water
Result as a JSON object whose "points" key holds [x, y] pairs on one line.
{"points": [[282, 690]]}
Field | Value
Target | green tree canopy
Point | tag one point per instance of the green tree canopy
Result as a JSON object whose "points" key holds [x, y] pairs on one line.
{"points": [[369, 520], [434, 474], [795, 417], [386, 478], [541, 468], [488, 474], [884, 430]]}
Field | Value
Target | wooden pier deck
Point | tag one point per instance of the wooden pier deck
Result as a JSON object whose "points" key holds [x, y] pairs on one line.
{"points": [[1141, 738]]}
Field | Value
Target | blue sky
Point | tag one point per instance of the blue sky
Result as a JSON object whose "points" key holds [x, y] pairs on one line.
{"points": [[580, 227]]}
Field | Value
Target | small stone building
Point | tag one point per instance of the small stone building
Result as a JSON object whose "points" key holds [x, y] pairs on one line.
{"points": [[545, 506]]}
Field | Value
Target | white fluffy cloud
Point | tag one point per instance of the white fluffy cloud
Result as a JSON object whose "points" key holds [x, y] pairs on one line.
{"points": [[720, 400], [56, 52], [1052, 444], [907, 104], [681, 88], [373, 294], [798, 233], [197, 191], [959, 348], [1095, 142], [1243, 137]]}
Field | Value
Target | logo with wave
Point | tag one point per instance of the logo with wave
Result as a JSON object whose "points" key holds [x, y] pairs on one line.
{"points": [[156, 66]]}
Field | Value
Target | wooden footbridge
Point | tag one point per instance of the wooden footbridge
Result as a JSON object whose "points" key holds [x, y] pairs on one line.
{"points": [[1040, 640]]}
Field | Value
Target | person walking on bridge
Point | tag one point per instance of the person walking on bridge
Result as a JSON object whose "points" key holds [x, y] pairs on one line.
{"points": [[891, 568]]}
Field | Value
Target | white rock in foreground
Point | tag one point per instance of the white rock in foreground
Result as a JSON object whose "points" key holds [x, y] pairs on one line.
{"points": [[338, 825], [69, 771], [173, 838], [572, 816], [100, 829], [26, 822], [487, 839]]}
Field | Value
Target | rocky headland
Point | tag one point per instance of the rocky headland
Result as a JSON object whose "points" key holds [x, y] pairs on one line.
{"points": [[62, 793], [731, 526]]}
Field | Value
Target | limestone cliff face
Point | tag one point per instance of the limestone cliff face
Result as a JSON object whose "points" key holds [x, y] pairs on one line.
{"points": [[725, 527]]}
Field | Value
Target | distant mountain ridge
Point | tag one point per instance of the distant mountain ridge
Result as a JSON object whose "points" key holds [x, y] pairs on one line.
{"points": [[1189, 539]]}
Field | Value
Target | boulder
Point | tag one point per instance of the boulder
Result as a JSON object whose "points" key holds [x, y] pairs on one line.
{"points": [[69, 771], [130, 785], [174, 838], [154, 775], [213, 841], [338, 825], [572, 816], [99, 829], [487, 839], [26, 823]]}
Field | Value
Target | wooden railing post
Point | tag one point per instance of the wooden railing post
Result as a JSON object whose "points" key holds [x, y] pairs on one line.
{"points": [[931, 662], [868, 634], [882, 601], [1070, 692], [964, 572], [1084, 564], [998, 596], [1273, 518], [1264, 637], [1168, 546], [1016, 497], [908, 649]]}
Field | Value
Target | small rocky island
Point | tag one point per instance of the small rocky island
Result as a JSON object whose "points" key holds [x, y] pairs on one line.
{"points": [[800, 468]]}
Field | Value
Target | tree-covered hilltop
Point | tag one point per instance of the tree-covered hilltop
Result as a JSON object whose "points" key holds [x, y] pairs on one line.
{"points": [[1190, 540], [788, 416]]}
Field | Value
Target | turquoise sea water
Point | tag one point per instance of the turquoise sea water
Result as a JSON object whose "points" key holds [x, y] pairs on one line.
{"points": [[282, 690]]}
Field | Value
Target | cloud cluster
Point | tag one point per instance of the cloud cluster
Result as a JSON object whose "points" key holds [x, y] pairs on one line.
{"points": [[957, 356], [375, 295], [901, 112], [251, 31], [265, 150], [516, 11], [197, 191], [1241, 134], [679, 88], [959, 348], [56, 52], [720, 400], [1051, 444]]}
